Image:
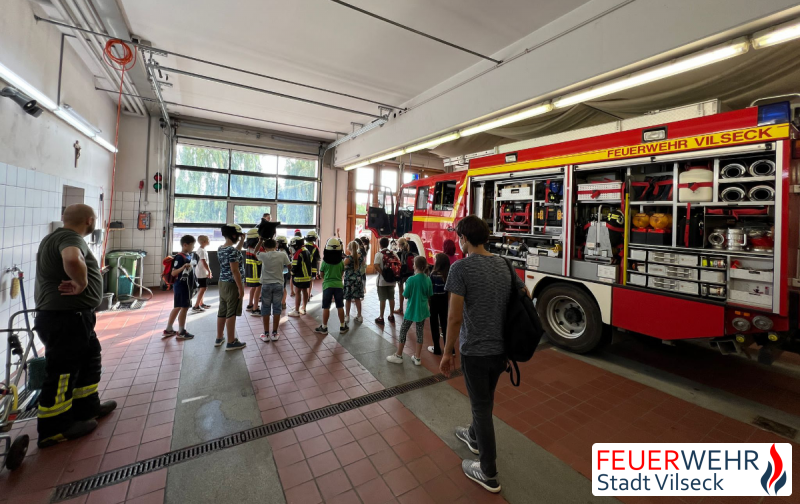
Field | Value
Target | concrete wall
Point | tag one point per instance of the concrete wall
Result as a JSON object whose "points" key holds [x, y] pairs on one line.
{"points": [[36, 154], [594, 42]]}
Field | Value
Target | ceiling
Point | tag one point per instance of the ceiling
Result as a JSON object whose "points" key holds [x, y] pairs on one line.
{"points": [[324, 44]]}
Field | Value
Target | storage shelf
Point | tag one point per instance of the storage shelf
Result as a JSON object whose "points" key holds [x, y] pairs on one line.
{"points": [[600, 202], [769, 178], [651, 203], [697, 280], [515, 198], [733, 205], [700, 251]]}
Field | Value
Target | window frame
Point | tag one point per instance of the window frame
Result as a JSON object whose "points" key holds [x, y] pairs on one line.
{"points": [[420, 190], [438, 189]]}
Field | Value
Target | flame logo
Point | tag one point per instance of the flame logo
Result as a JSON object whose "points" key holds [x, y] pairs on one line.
{"points": [[776, 477]]}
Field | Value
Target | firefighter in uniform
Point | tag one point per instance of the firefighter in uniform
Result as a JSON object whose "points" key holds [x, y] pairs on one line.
{"points": [[67, 291], [313, 250], [252, 271]]}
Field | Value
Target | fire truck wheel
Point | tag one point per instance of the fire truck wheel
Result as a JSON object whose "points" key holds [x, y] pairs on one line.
{"points": [[570, 317]]}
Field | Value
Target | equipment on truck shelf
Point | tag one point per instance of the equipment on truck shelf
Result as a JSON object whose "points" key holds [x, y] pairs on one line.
{"points": [[515, 217]]}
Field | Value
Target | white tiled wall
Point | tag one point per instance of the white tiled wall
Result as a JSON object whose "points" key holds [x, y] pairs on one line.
{"points": [[29, 202], [126, 209]]}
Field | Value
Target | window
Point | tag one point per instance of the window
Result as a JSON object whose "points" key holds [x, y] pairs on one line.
{"points": [[407, 198], [297, 214], [297, 190], [215, 239], [422, 198], [245, 186], [202, 157], [192, 211], [389, 179], [444, 195], [201, 182], [364, 178], [249, 214], [252, 162], [297, 167], [408, 177], [362, 200]]}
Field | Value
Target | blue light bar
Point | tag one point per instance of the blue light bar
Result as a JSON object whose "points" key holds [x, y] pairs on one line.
{"points": [[774, 113]]}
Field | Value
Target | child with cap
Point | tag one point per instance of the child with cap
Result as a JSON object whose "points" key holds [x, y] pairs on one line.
{"points": [[332, 269], [301, 275]]}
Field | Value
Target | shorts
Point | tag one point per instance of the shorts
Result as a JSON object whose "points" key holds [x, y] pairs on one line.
{"points": [[287, 277], [230, 305], [202, 282], [301, 285], [182, 297], [271, 295], [332, 293], [253, 284], [385, 292]]}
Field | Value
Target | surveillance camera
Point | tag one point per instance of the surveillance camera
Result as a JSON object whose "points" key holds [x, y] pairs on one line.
{"points": [[26, 102], [162, 123]]}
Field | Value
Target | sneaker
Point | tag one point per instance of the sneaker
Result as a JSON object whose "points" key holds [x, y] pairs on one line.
{"points": [[431, 350], [264, 337], [417, 362], [346, 319], [379, 321], [249, 307], [343, 329], [395, 359], [236, 345], [462, 433], [302, 311], [359, 319], [321, 329], [197, 309], [472, 469], [390, 318], [75, 431], [255, 313], [185, 335], [168, 332], [274, 336], [293, 313], [205, 306], [218, 342]]}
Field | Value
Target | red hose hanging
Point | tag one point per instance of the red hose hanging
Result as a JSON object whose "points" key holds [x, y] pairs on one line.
{"points": [[122, 64]]}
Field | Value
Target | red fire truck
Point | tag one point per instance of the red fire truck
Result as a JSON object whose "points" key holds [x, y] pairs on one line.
{"points": [[683, 230]]}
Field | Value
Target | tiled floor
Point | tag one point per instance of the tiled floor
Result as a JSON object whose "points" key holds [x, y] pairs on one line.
{"points": [[380, 453]]}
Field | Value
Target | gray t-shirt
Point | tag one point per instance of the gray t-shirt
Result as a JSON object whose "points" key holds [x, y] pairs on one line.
{"points": [[485, 284], [272, 264]]}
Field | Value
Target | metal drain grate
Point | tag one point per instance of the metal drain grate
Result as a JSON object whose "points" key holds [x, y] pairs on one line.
{"points": [[108, 478], [129, 305]]}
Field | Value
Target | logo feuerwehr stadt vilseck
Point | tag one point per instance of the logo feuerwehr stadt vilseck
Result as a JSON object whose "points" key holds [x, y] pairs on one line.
{"points": [[692, 469], [775, 476]]}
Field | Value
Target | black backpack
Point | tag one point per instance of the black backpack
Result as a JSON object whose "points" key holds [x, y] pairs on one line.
{"points": [[522, 331]]}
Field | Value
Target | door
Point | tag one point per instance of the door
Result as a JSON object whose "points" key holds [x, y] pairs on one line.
{"points": [[380, 217]]}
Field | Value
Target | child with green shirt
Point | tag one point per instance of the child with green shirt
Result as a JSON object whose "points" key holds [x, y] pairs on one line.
{"points": [[332, 269], [417, 290]]}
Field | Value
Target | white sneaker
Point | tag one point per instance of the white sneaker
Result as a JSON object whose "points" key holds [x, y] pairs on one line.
{"points": [[264, 338], [255, 313], [417, 362], [430, 349], [395, 359], [302, 311], [293, 313], [346, 319], [359, 319], [274, 336]]}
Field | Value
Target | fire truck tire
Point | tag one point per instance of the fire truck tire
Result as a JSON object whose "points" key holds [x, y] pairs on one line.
{"points": [[570, 317]]}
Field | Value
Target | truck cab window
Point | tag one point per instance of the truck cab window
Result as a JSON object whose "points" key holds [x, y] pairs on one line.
{"points": [[444, 195], [422, 198], [407, 198]]}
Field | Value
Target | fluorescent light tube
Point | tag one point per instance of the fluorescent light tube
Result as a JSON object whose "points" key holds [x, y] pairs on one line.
{"points": [[106, 145], [74, 122], [511, 118], [384, 157], [18, 82], [71, 111], [678, 66], [433, 143], [357, 165], [776, 35]]}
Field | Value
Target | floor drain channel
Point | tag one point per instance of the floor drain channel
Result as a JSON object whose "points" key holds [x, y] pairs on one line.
{"points": [[108, 478], [776, 427]]}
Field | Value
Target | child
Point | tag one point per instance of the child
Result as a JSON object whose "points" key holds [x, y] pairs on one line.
{"points": [[354, 268], [332, 286], [364, 254], [296, 233], [182, 289], [438, 301], [403, 251], [287, 277], [311, 246], [253, 271], [385, 288], [418, 290], [231, 287], [203, 274], [273, 262], [449, 249], [301, 275]]}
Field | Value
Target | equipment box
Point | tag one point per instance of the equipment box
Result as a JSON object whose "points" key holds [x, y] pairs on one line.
{"points": [[752, 274], [751, 293], [672, 271], [638, 254], [635, 279], [674, 285], [712, 276], [545, 264], [596, 272], [660, 237], [513, 191], [600, 192], [672, 258]]}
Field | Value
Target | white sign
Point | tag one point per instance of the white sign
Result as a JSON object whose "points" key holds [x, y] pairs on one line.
{"points": [[692, 469]]}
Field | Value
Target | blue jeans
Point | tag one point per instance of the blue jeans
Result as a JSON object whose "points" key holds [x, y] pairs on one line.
{"points": [[271, 294]]}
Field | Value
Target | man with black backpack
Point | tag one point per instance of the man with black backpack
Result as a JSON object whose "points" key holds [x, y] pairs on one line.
{"points": [[388, 267], [480, 287]]}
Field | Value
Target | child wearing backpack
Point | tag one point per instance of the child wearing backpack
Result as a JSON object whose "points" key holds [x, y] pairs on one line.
{"points": [[388, 267], [331, 271], [354, 268], [301, 275], [406, 258], [418, 291], [438, 301], [203, 273], [182, 289]]}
